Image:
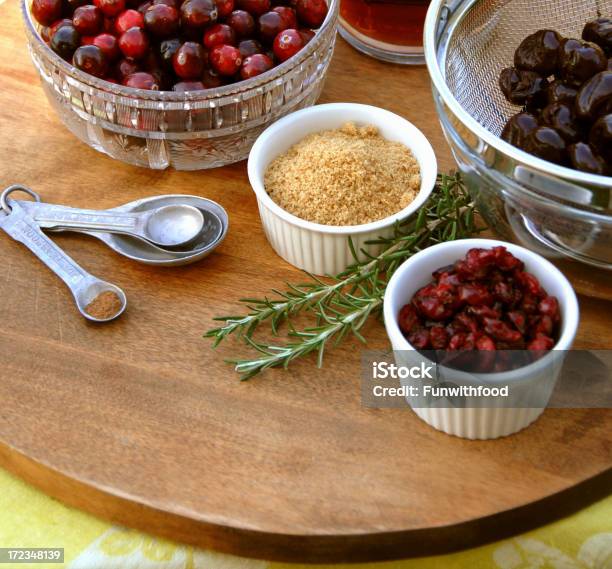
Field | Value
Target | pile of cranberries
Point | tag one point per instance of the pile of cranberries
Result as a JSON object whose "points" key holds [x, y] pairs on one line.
{"points": [[179, 45], [485, 301]]}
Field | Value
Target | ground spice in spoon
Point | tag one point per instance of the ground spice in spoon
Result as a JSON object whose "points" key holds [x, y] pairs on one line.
{"points": [[106, 305]]}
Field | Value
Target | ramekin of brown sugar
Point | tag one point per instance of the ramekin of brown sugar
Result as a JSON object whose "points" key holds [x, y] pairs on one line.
{"points": [[322, 140]]}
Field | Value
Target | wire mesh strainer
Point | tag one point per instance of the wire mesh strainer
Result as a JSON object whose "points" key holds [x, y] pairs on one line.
{"points": [[467, 44]]}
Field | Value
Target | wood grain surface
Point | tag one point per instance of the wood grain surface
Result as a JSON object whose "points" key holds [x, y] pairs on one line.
{"points": [[142, 423]]}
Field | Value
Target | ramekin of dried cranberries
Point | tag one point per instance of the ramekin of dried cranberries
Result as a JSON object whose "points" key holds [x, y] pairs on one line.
{"points": [[481, 296]]}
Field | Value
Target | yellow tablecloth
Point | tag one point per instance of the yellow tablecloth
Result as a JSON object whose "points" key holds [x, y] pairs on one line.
{"points": [[29, 518]]}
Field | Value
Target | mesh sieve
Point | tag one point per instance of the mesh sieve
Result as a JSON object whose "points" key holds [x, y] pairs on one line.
{"points": [[484, 40]]}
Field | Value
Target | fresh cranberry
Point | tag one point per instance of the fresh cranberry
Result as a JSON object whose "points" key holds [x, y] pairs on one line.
{"points": [[162, 21], [189, 60], [549, 306], [211, 80], [288, 15], [408, 319], [89, 58], [109, 46], [142, 9], [127, 20], [184, 86], [287, 44], [172, 3], [541, 343], [134, 43], [108, 26], [197, 14], [87, 20], [249, 47], [255, 7], [141, 80], [270, 25], [312, 13], [225, 59], [242, 23], [69, 6], [225, 7], [475, 294], [166, 51], [219, 34], [125, 68], [56, 26], [65, 41], [306, 34], [255, 65], [110, 8], [46, 11]]}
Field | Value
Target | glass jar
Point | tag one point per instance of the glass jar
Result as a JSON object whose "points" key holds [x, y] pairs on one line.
{"points": [[391, 30]]}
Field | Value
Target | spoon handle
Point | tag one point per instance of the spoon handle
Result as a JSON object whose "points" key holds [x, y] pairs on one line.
{"points": [[50, 216]]}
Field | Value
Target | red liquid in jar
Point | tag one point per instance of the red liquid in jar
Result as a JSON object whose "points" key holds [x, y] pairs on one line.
{"points": [[398, 22]]}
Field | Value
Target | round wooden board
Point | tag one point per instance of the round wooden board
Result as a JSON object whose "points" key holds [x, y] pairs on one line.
{"points": [[142, 423]]}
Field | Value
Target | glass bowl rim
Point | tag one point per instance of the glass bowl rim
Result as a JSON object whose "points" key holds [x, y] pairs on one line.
{"points": [[238, 88]]}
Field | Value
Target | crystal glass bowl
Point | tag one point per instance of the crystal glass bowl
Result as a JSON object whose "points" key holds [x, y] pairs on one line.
{"points": [[555, 210], [188, 131]]}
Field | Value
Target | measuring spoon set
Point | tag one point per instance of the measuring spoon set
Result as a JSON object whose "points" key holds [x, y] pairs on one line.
{"points": [[164, 230]]}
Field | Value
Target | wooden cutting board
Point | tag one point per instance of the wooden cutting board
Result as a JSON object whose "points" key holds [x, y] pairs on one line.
{"points": [[142, 423]]}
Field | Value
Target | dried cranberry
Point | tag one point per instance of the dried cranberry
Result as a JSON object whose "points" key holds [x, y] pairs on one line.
{"points": [[465, 321], [127, 20], [505, 260], [197, 14], [541, 343], [110, 8], [134, 43], [419, 338], [438, 337], [109, 46], [141, 80], [255, 65], [529, 283], [184, 86], [46, 11], [242, 22], [457, 341], [249, 47], [408, 318], [519, 319], [287, 44], [501, 331], [225, 7], [219, 34], [529, 304], [255, 7], [225, 59], [549, 306], [162, 21], [312, 13], [189, 60], [484, 312], [506, 293], [90, 59], [475, 294], [449, 278], [484, 343]]}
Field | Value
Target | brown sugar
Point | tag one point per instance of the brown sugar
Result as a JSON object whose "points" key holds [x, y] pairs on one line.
{"points": [[348, 176], [106, 305]]}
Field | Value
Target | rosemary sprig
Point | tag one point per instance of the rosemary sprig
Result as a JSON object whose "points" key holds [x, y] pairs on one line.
{"points": [[341, 305]]}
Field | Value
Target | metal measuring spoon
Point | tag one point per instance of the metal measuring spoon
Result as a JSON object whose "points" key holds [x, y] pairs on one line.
{"points": [[84, 286], [166, 227]]}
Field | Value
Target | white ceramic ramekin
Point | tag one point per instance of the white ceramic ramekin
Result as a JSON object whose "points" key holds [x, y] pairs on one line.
{"points": [[323, 249], [483, 418]]}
